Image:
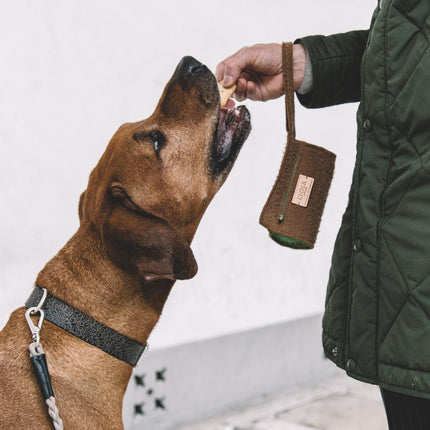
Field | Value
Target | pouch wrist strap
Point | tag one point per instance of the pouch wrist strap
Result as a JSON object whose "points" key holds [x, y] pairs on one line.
{"points": [[287, 71], [293, 210]]}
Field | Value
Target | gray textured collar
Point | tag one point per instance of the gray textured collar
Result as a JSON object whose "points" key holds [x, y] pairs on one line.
{"points": [[87, 329]]}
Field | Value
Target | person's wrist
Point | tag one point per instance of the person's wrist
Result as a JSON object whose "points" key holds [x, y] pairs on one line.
{"points": [[299, 64]]}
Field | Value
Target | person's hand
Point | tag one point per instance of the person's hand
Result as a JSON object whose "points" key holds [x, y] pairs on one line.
{"points": [[257, 71]]}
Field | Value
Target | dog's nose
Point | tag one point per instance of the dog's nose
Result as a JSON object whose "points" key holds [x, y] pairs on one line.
{"points": [[189, 71], [190, 65], [194, 77]]}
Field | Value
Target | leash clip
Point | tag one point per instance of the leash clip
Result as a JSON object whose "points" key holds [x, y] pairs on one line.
{"points": [[35, 329]]}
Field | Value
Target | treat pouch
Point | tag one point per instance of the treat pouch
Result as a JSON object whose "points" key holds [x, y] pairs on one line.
{"points": [[294, 208]]}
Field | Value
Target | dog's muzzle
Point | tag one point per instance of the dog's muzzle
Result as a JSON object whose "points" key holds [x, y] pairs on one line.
{"points": [[234, 122]]}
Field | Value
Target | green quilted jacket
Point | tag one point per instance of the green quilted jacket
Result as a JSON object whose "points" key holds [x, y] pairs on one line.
{"points": [[377, 319]]}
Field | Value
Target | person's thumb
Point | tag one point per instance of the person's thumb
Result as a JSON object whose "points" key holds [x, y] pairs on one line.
{"points": [[229, 70], [231, 75]]}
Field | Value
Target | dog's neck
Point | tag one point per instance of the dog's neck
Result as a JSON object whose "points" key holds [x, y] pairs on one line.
{"points": [[84, 378], [83, 276]]}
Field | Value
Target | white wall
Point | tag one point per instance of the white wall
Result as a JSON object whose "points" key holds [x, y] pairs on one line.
{"points": [[73, 71]]}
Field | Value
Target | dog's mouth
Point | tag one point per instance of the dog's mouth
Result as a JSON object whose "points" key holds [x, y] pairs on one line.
{"points": [[234, 126], [234, 123]]}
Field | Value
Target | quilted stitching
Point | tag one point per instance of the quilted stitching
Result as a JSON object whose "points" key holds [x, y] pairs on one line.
{"points": [[403, 197], [411, 291], [409, 141], [412, 21], [399, 91]]}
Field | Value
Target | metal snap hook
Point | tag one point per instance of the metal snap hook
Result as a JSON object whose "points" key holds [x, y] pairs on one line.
{"points": [[35, 329]]}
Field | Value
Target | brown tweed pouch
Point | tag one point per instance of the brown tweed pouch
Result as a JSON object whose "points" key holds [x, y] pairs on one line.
{"points": [[293, 211]]}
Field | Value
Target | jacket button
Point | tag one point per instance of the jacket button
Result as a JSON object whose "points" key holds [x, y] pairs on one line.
{"points": [[334, 351], [367, 125], [350, 365], [356, 245]]}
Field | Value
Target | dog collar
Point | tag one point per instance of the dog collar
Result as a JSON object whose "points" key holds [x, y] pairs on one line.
{"points": [[87, 329]]}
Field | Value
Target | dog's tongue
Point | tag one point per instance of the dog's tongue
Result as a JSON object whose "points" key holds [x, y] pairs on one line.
{"points": [[229, 105]]}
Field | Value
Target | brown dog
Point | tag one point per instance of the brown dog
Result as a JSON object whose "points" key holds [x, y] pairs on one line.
{"points": [[138, 215]]}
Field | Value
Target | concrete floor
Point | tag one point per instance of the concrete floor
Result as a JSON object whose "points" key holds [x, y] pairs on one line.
{"points": [[338, 403]]}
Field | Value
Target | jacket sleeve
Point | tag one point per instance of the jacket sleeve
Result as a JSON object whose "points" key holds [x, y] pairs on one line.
{"points": [[336, 62]]}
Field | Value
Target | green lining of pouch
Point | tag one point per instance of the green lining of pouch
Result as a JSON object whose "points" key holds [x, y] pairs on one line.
{"points": [[291, 242]]}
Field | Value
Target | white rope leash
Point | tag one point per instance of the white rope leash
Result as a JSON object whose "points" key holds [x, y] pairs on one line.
{"points": [[38, 359]]}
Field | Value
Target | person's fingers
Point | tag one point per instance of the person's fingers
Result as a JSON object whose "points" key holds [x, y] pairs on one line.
{"points": [[256, 70], [240, 93], [230, 69], [232, 72], [219, 71], [253, 91], [240, 98], [241, 84]]}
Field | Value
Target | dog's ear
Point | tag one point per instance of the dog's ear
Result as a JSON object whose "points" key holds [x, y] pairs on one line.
{"points": [[81, 206], [146, 246]]}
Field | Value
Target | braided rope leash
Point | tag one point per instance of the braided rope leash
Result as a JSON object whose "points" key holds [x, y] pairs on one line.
{"points": [[40, 366]]}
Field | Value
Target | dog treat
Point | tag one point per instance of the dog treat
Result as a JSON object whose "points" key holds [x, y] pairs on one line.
{"points": [[225, 93]]}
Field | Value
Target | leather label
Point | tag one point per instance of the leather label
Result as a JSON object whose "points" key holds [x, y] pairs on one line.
{"points": [[303, 191]]}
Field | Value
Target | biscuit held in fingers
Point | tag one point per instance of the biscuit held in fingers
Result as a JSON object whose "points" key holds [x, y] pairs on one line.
{"points": [[225, 93]]}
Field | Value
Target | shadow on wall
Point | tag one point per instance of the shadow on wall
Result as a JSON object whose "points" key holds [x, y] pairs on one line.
{"points": [[185, 383]]}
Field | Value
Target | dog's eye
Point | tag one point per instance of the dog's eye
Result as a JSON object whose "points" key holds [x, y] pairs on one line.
{"points": [[155, 137]]}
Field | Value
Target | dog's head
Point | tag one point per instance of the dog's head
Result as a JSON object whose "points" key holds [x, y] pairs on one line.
{"points": [[152, 185]]}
